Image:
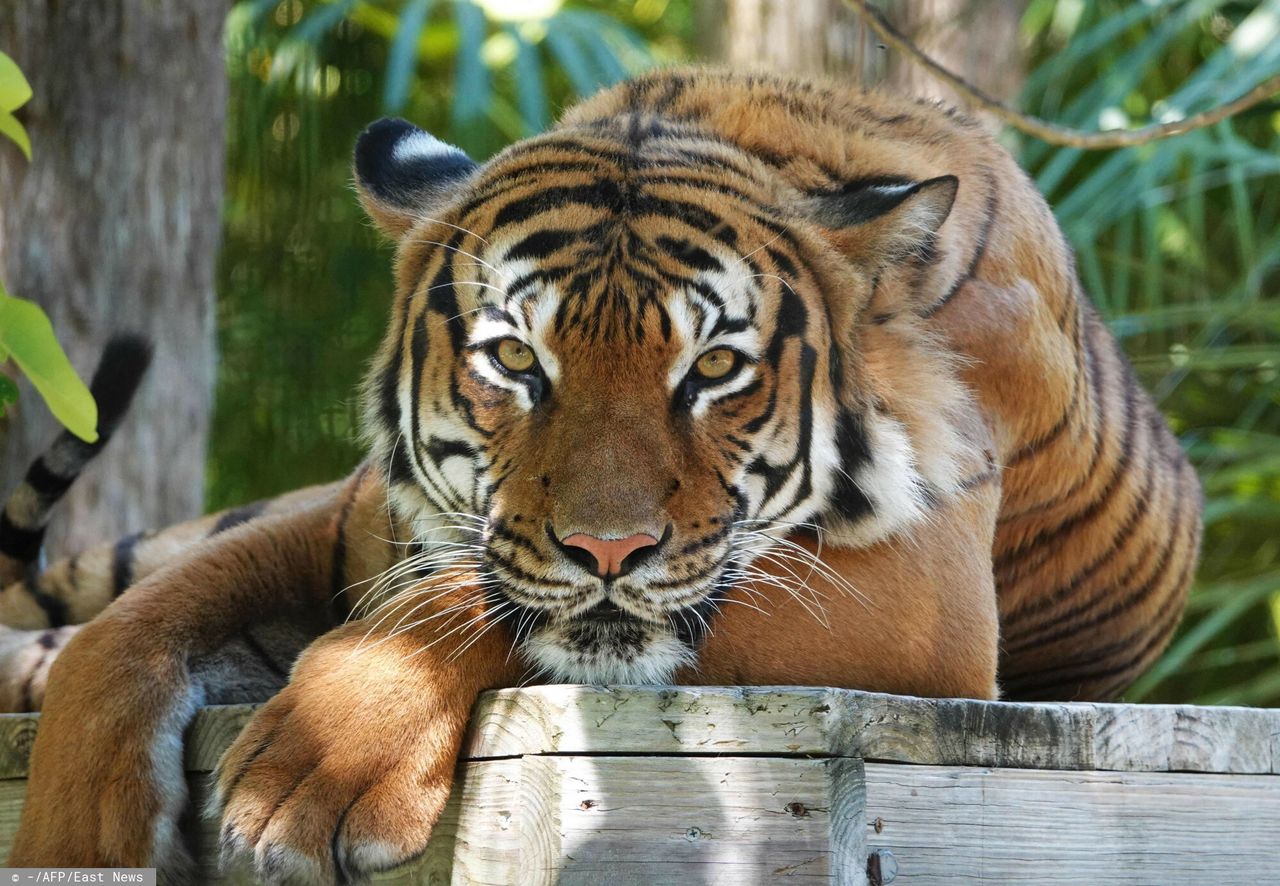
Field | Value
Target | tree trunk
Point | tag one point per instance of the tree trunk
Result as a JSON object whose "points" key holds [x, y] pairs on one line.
{"points": [[115, 225], [977, 39]]}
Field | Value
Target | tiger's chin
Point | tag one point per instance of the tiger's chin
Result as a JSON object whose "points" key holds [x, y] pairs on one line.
{"points": [[620, 649]]}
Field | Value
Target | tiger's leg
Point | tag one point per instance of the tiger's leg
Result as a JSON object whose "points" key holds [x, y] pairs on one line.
{"points": [[127, 685], [345, 772], [38, 616], [912, 615]]}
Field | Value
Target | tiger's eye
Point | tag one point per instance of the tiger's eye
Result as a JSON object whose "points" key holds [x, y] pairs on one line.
{"points": [[716, 364], [515, 355]]}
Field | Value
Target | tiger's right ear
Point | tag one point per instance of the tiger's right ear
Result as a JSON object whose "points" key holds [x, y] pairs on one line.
{"points": [[879, 221], [404, 174]]}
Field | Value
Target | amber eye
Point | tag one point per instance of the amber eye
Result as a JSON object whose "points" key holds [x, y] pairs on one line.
{"points": [[515, 355], [716, 364]]}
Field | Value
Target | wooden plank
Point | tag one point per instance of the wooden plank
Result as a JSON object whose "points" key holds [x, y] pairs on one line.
{"points": [[790, 720], [577, 719], [539, 821], [12, 793], [17, 735], [1187, 738], [971, 825], [830, 722], [677, 820]]}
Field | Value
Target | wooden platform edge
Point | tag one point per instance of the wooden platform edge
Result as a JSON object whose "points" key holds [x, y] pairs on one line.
{"points": [[801, 721], [875, 727]]}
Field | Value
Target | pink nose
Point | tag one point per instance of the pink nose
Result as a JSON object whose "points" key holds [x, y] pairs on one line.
{"points": [[610, 552]]}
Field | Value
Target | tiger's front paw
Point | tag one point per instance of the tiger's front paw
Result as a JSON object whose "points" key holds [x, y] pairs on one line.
{"points": [[345, 772]]}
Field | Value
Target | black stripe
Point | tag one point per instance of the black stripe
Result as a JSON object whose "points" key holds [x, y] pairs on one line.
{"points": [[502, 530], [50, 486], [1050, 436], [694, 256], [236, 516], [1040, 685], [54, 609], [1049, 536], [1116, 545], [1094, 368], [848, 501], [19, 543], [608, 195], [123, 555], [1056, 631], [516, 571], [979, 251]]}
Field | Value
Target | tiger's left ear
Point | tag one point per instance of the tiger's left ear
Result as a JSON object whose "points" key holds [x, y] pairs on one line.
{"points": [[883, 220], [404, 174]]}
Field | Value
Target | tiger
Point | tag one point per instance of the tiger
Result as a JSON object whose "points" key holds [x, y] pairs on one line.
{"points": [[727, 378]]}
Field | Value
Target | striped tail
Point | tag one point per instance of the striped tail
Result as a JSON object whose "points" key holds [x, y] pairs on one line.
{"points": [[26, 514]]}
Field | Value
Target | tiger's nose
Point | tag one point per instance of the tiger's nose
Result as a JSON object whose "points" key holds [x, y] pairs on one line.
{"points": [[609, 557]]}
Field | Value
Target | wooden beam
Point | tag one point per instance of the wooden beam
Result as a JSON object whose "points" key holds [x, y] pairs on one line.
{"points": [[951, 824], [841, 722]]}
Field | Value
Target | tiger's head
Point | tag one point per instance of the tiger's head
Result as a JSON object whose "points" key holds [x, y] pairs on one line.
{"points": [[625, 358]]}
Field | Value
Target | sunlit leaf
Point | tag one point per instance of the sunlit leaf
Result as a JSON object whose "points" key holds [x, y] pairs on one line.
{"points": [[27, 334], [12, 129], [15, 91]]}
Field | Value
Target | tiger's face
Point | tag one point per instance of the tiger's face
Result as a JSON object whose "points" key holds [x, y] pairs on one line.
{"points": [[616, 373]]}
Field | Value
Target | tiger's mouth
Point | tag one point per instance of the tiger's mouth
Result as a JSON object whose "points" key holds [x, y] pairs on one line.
{"points": [[608, 644]]}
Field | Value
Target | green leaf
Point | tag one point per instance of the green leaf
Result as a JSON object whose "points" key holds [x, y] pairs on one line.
{"points": [[8, 393], [403, 57], [568, 53], [15, 91], [531, 91], [590, 33], [27, 334], [9, 126], [472, 89]]}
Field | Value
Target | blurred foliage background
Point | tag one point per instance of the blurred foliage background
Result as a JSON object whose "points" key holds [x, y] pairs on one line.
{"points": [[1178, 241]]}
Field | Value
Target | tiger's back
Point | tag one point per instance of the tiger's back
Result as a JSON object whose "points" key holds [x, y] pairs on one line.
{"points": [[1099, 527]]}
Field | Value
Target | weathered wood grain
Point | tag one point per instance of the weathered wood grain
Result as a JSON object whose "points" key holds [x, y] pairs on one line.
{"points": [[789, 720], [680, 820], [539, 821], [947, 824]]}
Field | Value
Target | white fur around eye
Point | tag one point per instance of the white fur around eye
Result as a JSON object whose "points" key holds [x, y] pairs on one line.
{"points": [[542, 319], [715, 391]]}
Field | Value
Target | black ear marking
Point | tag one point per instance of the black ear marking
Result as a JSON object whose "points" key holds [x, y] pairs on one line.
{"points": [[399, 164], [864, 200]]}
